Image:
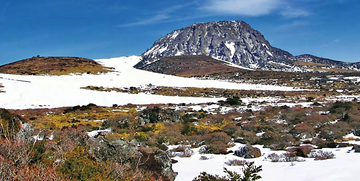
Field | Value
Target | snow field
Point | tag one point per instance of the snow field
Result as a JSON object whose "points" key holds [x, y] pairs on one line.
{"points": [[59, 91], [343, 167]]}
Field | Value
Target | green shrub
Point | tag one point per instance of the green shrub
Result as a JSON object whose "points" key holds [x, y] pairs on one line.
{"points": [[248, 137], [217, 147], [230, 129], [79, 165], [235, 100], [249, 173]]}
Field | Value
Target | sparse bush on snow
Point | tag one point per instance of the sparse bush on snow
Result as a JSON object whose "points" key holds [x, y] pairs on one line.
{"points": [[236, 162], [321, 155], [285, 157], [249, 173]]}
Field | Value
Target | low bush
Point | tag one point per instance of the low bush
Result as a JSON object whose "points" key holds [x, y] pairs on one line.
{"points": [[322, 155], [204, 158], [235, 162], [249, 173], [230, 129], [217, 147], [217, 136], [290, 157], [246, 137], [235, 100], [285, 157], [273, 157], [269, 138]]}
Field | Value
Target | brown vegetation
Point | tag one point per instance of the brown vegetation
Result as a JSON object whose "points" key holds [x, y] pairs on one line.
{"points": [[53, 66], [66, 154], [191, 65], [310, 64], [208, 92]]}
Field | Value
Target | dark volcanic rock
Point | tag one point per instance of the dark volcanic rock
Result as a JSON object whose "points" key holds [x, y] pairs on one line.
{"points": [[248, 151], [356, 148]]}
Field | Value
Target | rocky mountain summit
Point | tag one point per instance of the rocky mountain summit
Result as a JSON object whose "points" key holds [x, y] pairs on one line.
{"points": [[231, 41]]}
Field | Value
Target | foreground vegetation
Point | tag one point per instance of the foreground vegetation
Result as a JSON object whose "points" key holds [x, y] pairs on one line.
{"points": [[130, 142], [212, 92], [53, 66]]}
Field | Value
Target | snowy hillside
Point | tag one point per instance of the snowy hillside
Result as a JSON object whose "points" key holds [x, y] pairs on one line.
{"points": [[25, 91]]}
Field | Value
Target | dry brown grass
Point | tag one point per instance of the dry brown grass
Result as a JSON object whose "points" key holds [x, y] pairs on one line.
{"points": [[339, 70], [53, 66], [191, 65], [209, 92], [349, 139], [301, 63], [1, 86]]}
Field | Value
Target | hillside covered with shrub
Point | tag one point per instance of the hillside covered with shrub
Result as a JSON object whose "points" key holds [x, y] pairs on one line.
{"points": [[53, 66], [133, 142]]}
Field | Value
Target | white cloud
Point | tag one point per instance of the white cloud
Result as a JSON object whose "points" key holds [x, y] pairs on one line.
{"points": [[291, 12], [242, 7], [161, 16], [155, 19], [294, 24]]}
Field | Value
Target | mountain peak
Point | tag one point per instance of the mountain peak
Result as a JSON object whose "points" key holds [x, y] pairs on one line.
{"points": [[232, 41]]}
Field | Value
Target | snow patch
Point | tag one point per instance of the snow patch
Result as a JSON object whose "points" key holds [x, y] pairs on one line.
{"points": [[179, 53], [175, 34], [265, 46], [231, 47], [161, 50], [95, 132], [268, 52]]}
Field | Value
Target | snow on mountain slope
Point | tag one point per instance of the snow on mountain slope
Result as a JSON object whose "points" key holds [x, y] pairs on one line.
{"points": [[24, 91]]}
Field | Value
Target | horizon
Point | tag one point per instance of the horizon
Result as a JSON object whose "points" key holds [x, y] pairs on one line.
{"points": [[95, 29]]}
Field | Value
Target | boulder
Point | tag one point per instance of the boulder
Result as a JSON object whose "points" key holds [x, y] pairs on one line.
{"points": [[248, 151], [302, 151], [120, 150], [124, 152], [25, 132], [356, 148], [166, 164]]}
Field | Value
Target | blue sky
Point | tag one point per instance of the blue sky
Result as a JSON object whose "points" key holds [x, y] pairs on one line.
{"points": [[113, 28]]}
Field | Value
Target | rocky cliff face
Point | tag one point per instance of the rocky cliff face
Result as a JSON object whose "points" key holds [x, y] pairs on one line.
{"points": [[234, 42], [231, 41]]}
